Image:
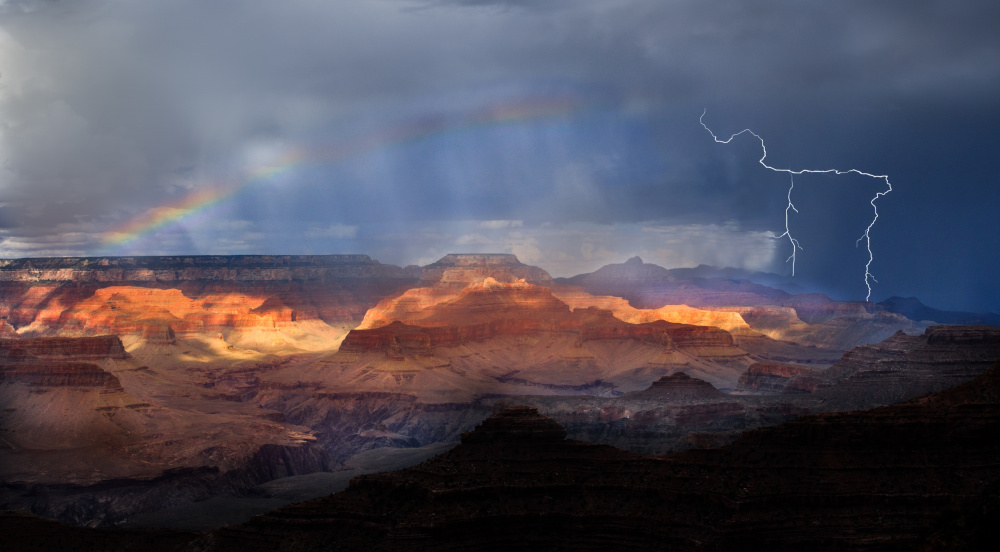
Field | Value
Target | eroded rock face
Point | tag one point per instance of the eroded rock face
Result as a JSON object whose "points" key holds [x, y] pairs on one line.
{"points": [[853, 481], [866, 480], [425, 318], [870, 476], [231, 369], [265, 303], [464, 268], [808, 319], [95, 442], [348, 423], [678, 411], [112, 501], [76, 348], [648, 286], [483, 300], [680, 386], [666, 417], [772, 376], [56, 362], [59, 374], [903, 367], [197, 267]]}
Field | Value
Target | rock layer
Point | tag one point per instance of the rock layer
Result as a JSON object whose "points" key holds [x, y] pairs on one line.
{"points": [[679, 412], [771, 376], [423, 318], [463, 268], [263, 303], [856, 481], [76, 348], [808, 319], [903, 367], [871, 480]]}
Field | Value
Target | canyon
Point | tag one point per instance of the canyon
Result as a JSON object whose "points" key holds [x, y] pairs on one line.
{"points": [[884, 479], [862, 480], [134, 385]]}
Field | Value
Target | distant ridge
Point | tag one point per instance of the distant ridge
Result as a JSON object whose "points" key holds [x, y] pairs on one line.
{"points": [[180, 261], [912, 308], [698, 286]]}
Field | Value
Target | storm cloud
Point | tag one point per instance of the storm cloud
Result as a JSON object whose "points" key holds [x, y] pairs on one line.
{"points": [[399, 126]]}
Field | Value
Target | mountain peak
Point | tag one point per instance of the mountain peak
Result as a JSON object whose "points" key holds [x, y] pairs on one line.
{"points": [[634, 261], [682, 387], [465, 268], [477, 259]]}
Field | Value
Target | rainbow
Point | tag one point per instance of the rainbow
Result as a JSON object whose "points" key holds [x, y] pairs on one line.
{"points": [[210, 195]]}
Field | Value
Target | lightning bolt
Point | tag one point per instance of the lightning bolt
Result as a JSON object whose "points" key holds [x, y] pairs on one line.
{"points": [[869, 278], [790, 206]]}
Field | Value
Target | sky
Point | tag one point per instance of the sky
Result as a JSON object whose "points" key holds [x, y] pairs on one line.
{"points": [[567, 132]]}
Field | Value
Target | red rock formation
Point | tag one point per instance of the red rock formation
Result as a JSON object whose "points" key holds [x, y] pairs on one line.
{"points": [[159, 300], [605, 326], [771, 376], [398, 338], [488, 309], [463, 268], [484, 300], [76, 348], [809, 319], [576, 297], [58, 374], [198, 268], [394, 340]]}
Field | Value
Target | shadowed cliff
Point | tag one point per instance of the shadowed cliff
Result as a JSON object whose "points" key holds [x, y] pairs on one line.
{"points": [[882, 479]]}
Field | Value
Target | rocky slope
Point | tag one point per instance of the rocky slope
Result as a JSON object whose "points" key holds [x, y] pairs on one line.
{"points": [[462, 268], [429, 362], [225, 358], [263, 303], [912, 308], [576, 297], [488, 309], [903, 367], [808, 319], [647, 285], [872, 480], [198, 267], [771, 376], [679, 412], [227, 371], [88, 443], [453, 343], [675, 413]]}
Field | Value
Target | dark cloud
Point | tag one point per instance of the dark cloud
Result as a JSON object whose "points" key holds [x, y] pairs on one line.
{"points": [[109, 109]]}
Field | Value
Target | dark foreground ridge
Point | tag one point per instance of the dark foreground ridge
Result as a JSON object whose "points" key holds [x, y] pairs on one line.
{"points": [[881, 479]]}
